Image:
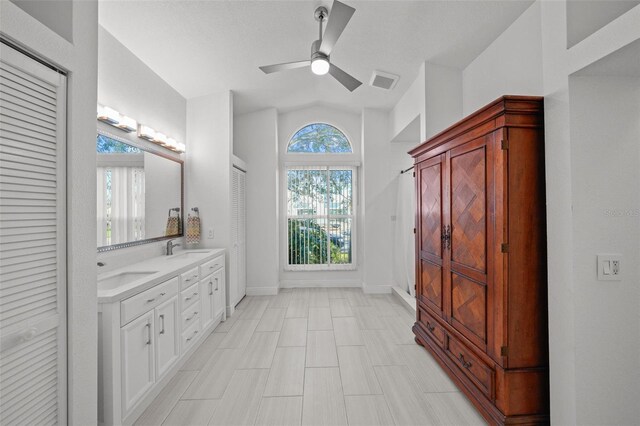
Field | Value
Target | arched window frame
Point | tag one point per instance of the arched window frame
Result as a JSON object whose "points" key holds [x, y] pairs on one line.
{"points": [[327, 162], [346, 137]]}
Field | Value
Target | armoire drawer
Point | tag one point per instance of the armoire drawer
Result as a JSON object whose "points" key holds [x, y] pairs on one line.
{"points": [[472, 366], [432, 327]]}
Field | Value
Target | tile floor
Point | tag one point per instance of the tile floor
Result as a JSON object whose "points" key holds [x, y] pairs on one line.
{"points": [[312, 357]]}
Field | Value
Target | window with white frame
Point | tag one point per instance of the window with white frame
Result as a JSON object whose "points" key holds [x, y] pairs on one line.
{"points": [[320, 203]]}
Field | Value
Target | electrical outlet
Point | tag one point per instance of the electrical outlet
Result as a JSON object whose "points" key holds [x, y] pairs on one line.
{"points": [[609, 267], [210, 234]]}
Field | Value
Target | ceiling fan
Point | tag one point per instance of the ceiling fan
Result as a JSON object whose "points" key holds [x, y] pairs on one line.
{"points": [[321, 48]]}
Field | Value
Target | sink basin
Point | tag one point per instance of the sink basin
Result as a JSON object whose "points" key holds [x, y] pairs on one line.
{"points": [[191, 254], [122, 279]]}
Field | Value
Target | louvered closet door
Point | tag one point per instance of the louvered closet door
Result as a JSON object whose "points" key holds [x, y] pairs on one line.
{"points": [[242, 234], [32, 242], [233, 255]]}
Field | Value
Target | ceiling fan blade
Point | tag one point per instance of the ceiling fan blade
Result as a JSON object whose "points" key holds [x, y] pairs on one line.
{"points": [[345, 79], [338, 19], [268, 69]]}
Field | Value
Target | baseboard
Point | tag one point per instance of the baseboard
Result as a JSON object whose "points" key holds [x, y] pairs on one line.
{"points": [[319, 283], [262, 291], [407, 301], [376, 289]]}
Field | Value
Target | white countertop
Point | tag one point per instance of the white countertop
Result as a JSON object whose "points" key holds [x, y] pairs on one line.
{"points": [[163, 268]]}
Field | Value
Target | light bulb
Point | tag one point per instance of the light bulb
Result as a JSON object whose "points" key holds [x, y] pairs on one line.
{"points": [[320, 66]]}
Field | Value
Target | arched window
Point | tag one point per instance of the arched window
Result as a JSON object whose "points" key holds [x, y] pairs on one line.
{"points": [[320, 202], [319, 138]]}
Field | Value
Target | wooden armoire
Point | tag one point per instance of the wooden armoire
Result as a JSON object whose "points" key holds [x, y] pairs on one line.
{"points": [[481, 283]]}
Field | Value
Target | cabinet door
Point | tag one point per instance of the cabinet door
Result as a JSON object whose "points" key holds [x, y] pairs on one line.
{"points": [[218, 292], [207, 287], [137, 360], [430, 182], [167, 342], [470, 178]]}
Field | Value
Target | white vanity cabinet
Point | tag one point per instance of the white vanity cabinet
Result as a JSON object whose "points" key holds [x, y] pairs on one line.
{"points": [[149, 328], [137, 360], [212, 290]]}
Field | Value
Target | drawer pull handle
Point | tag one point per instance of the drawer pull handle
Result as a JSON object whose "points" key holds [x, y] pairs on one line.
{"points": [[213, 267], [465, 364], [192, 336], [187, 280], [162, 323], [192, 316], [152, 300], [148, 326], [430, 327]]}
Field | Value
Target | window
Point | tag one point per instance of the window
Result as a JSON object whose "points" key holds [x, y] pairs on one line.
{"points": [[320, 203], [319, 138]]}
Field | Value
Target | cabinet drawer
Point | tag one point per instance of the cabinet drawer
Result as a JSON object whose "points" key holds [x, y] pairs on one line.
{"points": [[189, 296], [189, 278], [474, 368], [211, 266], [137, 305], [190, 316], [190, 336], [434, 329]]}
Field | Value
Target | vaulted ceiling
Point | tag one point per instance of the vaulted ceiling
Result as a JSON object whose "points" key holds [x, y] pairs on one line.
{"points": [[202, 47]]}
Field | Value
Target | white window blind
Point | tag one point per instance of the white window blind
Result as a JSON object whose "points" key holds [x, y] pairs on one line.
{"points": [[32, 242], [321, 217]]}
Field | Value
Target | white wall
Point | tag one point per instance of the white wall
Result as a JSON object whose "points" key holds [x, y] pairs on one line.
{"points": [[511, 65], [128, 85], [443, 98], [208, 167], [382, 162], [349, 124], [256, 142], [57, 15], [80, 59], [586, 17], [605, 169]]}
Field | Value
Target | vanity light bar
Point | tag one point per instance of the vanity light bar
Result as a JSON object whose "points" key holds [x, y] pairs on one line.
{"points": [[128, 124], [108, 115], [146, 132]]}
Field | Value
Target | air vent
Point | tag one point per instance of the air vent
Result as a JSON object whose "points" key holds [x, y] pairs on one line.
{"points": [[383, 80]]}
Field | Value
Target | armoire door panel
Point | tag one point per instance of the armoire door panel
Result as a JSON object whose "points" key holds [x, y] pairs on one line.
{"points": [[430, 290], [469, 208], [430, 175], [469, 308]]}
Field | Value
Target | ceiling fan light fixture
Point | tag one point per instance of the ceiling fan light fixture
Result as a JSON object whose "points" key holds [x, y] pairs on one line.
{"points": [[320, 65]]}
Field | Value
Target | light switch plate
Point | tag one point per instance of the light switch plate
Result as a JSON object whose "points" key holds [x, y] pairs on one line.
{"points": [[609, 267]]}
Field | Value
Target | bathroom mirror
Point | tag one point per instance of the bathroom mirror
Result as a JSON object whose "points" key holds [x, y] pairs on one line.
{"points": [[139, 194]]}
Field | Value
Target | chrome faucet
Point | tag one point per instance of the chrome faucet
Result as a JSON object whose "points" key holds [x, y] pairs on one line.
{"points": [[170, 247]]}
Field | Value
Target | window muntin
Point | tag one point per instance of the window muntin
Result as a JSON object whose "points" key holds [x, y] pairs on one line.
{"points": [[319, 138], [320, 217]]}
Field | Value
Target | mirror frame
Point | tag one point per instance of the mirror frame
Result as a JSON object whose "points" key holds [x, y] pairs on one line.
{"points": [[133, 140]]}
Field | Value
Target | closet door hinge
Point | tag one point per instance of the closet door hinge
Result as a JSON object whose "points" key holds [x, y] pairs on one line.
{"points": [[504, 351], [414, 230], [414, 174], [504, 248], [504, 144]]}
